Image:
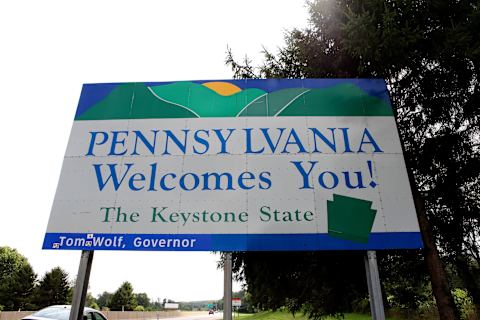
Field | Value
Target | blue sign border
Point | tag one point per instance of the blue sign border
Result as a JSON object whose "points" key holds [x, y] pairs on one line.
{"points": [[227, 242]]}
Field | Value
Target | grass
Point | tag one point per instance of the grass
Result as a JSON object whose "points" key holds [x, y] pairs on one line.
{"points": [[283, 315]]}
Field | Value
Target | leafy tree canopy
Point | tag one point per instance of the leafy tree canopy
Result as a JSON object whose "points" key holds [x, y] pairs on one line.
{"points": [[17, 279], [103, 299], [142, 299], [123, 298], [53, 289], [91, 302], [428, 52]]}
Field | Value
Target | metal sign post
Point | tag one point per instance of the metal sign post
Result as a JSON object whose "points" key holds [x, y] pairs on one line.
{"points": [[81, 285], [374, 288], [227, 287]]}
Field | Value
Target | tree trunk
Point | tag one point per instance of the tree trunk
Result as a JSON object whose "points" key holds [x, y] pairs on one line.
{"points": [[438, 276]]}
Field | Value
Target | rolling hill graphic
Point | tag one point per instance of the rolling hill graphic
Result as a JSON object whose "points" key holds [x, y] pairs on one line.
{"points": [[204, 101], [223, 99]]}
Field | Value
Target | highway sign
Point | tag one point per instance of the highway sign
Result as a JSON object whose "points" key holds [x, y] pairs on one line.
{"points": [[280, 164]]}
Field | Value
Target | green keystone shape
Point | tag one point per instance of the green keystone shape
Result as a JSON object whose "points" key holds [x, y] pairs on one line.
{"points": [[350, 218]]}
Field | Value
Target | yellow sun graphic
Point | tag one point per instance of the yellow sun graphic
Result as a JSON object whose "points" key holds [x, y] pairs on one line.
{"points": [[222, 88]]}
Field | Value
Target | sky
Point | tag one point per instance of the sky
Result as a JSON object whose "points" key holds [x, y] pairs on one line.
{"points": [[48, 49]]}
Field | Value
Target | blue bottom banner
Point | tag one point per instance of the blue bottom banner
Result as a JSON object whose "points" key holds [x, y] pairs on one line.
{"points": [[227, 242]]}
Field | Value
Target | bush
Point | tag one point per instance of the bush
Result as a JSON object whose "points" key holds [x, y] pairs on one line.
{"points": [[464, 303], [139, 308], [361, 305], [94, 305]]}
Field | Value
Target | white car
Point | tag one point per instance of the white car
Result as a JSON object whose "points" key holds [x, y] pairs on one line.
{"points": [[62, 312]]}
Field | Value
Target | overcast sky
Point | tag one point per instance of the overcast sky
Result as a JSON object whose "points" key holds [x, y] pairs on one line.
{"points": [[48, 49]]}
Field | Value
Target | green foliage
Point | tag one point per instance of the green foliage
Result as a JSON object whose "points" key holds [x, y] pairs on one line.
{"points": [[155, 305], [319, 283], [70, 292], [220, 304], [434, 84], [464, 303], [404, 280], [361, 305], [139, 308], [94, 305], [52, 289], [429, 54], [123, 298], [468, 270], [142, 299], [185, 306], [103, 299], [247, 306], [17, 279], [91, 301]]}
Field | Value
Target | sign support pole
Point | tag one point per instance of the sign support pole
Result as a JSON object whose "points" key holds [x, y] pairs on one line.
{"points": [[374, 288], [227, 286], [81, 285]]}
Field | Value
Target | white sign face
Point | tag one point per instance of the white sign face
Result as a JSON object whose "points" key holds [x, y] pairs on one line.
{"points": [[236, 302], [303, 179]]}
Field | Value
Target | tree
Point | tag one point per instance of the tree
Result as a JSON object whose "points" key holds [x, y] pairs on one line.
{"points": [[123, 298], [103, 300], [404, 280], [142, 299], [433, 75], [17, 279], [428, 52], [156, 305], [320, 283], [91, 302], [52, 289]]}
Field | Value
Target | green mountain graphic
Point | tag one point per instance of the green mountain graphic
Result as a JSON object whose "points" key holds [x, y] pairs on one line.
{"points": [[192, 100], [133, 101], [205, 102], [269, 105], [342, 100]]}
